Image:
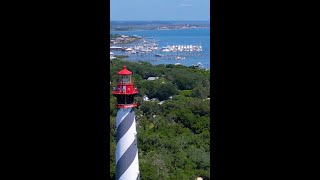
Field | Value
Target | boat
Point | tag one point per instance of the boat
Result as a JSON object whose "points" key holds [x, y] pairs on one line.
{"points": [[179, 58], [128, 49], [159, 55]]}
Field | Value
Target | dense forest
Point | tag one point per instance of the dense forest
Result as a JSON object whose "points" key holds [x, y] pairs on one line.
{"points": [[173, 126]]}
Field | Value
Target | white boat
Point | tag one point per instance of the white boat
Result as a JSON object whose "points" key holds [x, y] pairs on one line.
{"points": [[179, 58], [159, 55]]}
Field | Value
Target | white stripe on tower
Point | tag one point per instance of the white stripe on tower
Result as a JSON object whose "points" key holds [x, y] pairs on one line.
{"points": [[128, 137], [127, 165]]}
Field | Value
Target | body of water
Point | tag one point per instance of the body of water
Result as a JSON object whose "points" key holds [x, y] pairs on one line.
{"points": [[199, 36]]}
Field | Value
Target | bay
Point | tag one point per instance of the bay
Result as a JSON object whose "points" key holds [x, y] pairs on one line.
{"points": [[198, 36]]}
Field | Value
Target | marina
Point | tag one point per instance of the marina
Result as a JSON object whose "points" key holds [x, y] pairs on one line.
{"points": [[188, 47]]}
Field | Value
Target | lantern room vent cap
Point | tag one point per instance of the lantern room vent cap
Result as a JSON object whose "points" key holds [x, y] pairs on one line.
{"points": [[124, 71]]}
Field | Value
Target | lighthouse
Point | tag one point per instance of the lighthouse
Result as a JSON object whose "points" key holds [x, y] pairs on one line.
{"points": [[127, 164]]}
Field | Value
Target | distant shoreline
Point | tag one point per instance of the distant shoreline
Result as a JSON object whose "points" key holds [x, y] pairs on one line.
{"points": [[158, 29], [157, 25], [129, 26]]}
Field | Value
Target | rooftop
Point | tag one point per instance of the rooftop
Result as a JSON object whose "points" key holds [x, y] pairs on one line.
{"points": [[152, 78], [124, 71]]}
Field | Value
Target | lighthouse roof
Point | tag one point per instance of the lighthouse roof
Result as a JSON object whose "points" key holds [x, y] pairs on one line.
{"points": [[124, 71]]}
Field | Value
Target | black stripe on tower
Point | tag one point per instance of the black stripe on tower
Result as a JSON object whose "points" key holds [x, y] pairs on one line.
{"points": [[124, 126], [126, 159]]}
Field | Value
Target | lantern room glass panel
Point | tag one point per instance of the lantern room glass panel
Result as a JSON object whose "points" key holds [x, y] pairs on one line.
{"points": [[124, 79]]}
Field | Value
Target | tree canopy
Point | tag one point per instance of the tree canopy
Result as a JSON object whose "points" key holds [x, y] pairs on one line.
{"points": [[173, 137]]}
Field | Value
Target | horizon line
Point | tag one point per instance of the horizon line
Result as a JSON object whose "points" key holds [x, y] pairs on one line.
{"points": [[156, 20]]}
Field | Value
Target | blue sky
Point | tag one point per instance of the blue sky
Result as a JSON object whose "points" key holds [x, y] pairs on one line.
{"points": [[179, 10]]}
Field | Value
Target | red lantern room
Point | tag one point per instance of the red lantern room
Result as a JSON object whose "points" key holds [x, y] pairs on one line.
{"points": [[125, 91]]}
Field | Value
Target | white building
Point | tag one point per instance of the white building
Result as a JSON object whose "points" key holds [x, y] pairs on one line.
{"points": [[112, 56], [145, 98], [161, 102], [152, 78]]}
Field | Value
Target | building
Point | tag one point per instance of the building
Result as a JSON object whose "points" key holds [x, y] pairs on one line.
{"points": [[152, 78], [116, 48], [145, 98], [112, 56]]}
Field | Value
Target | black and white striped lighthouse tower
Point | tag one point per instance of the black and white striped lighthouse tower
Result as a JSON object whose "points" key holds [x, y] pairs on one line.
{"points": [[127, 164]]}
